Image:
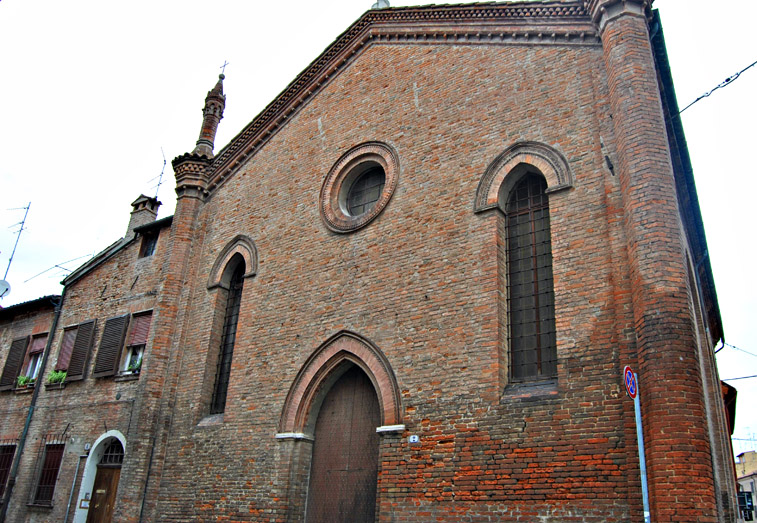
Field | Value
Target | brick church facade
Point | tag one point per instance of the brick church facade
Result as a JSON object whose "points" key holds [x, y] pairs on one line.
{"points": [[406, 291]]}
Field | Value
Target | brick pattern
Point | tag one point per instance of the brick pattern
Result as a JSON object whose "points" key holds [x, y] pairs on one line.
{"points": [[421, 283]]}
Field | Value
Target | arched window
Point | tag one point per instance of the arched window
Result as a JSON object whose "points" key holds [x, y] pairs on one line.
{"points": [[113, 455], [530, 294], [231, 316]]}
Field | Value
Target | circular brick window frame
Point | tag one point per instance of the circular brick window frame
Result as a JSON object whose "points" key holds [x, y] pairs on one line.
{"points": [[343, 174]]}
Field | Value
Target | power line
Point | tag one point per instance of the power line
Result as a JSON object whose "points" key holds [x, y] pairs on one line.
{"points": [[741, 378], [727, 81], [738, 349]]}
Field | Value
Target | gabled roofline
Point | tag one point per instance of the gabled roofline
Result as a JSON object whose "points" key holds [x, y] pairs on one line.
{"points": [[112, 249], [555, 22], [96, 261]]}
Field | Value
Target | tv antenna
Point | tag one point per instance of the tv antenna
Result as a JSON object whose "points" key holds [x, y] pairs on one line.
{"points": [[160, 176], [5, 287], [60, 266]]}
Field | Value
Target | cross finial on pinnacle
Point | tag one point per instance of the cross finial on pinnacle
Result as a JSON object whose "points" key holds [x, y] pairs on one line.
{"points": [[223, 67]]}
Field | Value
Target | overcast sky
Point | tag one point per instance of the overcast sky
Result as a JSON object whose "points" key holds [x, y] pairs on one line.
{"points": [[93, 90]]}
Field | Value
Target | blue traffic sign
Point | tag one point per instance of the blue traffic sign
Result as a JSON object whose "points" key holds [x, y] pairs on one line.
{"points": [[630, 380]]}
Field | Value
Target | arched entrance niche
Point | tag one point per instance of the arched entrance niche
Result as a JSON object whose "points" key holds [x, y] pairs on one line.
{"points": [[105, 446], [342, 400]]}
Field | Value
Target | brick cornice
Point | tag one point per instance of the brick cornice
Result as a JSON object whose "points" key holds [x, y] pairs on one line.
{"points": [[602, 11], [556, 22], [190, 170]]}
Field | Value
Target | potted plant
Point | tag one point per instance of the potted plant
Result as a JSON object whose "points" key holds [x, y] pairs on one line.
{"points": [[56, 376], [23, 381], [135, 367]]}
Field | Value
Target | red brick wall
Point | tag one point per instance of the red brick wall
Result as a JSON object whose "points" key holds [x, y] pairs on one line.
{"points": [[420, 282]]}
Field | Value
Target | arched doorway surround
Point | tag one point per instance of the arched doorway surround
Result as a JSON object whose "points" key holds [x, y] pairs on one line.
{"points": [[322, 369], [90, 470], [335, 362]]}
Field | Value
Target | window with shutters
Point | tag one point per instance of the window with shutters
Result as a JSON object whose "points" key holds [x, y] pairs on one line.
{"points": [[530, 294], [49, 460], [75, 349], [36, 349], [139, 330], [7, 451], [13, 363], [228, 338], [109, 351]]}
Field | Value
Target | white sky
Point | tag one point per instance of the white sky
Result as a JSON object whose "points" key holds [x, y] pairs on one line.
{"points": [[92, 90]]}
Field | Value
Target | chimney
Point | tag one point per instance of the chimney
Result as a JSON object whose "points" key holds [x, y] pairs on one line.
{"points": [[145, 211]]}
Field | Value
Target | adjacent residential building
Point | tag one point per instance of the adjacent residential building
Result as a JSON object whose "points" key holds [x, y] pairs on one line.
{"points": [[406, 291]]}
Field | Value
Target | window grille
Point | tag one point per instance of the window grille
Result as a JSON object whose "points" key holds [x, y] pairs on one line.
{"points": [[223, 370], [7, 452], [50, 457], [113, 456], [530, 294], [365, 191]]}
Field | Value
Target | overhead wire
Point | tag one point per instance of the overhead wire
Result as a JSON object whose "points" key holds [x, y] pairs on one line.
{"points": [[727, 81]]}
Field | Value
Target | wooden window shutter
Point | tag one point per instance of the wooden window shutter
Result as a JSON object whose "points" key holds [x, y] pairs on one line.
{"points": [[77, 365], [140, 329], [66, 347], [13, 363], [109, 353], [38, 344]]}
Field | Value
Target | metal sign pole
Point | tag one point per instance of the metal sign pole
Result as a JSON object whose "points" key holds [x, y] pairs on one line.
{"points": [[631, 380], [642, 459]]}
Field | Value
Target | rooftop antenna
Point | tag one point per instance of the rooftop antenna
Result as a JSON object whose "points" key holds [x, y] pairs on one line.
{"points": [[160, 178], [60, 266], [5, 287]]}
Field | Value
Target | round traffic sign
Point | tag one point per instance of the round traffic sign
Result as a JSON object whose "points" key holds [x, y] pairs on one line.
{"points": [[629, 378]]}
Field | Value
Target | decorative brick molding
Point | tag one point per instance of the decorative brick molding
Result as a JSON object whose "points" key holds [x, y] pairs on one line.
{"points": [[516, 23], [241, 245], [547, 160], [602, 11], [337, 180], [324, 367], [191, 175]]}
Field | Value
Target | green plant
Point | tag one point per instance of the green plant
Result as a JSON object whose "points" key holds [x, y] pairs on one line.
{"points": [[136, 366], [56, 376], [23, 381]]}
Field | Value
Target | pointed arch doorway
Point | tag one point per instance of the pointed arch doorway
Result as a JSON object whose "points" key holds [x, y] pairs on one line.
{"points": [[344, 466]]}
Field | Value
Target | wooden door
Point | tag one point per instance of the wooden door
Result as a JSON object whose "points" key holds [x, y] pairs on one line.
{"points": [[103, 495], [344, 469]]}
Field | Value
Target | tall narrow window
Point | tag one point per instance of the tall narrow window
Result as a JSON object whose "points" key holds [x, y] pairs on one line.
{"points": [[7, 451], [35, 356], [223, 369], [43, 494], [530, 294]]}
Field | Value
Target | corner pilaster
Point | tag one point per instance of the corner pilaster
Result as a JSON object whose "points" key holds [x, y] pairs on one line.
{"points": [[670, 384], [605, 11]]}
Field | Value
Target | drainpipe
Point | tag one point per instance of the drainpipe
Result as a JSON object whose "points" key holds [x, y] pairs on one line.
{"points": [[30, 413], [73, 484]]}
